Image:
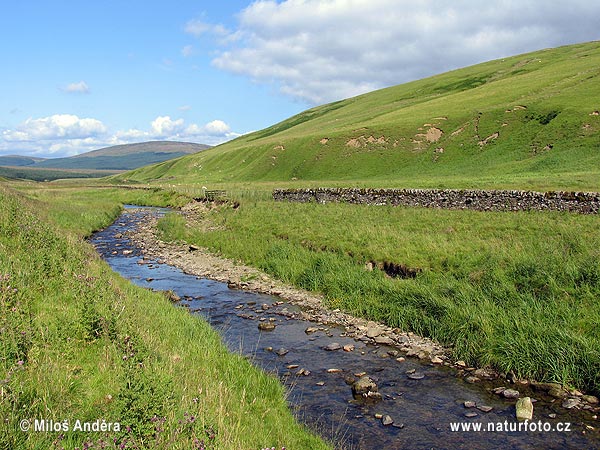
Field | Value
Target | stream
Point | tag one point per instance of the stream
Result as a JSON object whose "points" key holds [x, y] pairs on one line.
{"points": [[422, 400]]}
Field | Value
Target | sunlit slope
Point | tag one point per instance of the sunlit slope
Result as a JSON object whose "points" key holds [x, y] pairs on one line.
{"points": [[528, 117]]}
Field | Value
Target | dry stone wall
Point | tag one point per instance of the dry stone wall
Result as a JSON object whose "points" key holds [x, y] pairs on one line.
{"points": [[493, 200]]}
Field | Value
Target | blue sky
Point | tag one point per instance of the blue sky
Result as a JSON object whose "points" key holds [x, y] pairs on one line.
{"points": [[77, 76]]}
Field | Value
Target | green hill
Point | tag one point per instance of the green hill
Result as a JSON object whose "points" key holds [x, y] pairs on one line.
{"points": [[526, 121]]}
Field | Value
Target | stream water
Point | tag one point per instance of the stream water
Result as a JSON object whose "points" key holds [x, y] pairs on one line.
{"points": [[423, 401]]}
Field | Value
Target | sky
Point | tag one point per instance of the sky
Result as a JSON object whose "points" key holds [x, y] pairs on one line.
{"points": [[76, 76]]}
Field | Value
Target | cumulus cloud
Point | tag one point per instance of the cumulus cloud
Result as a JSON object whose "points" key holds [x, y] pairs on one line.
{"points": [[58, 126], [67, 135], [322, 50], [77, 88]]}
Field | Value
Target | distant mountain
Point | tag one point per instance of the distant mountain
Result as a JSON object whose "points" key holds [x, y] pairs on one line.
{"points": [[18, 161], [124, 157]]}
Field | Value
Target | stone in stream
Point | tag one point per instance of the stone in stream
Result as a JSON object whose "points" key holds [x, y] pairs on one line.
{"points": [[266, 326], [469, 404], [333, 347], [524, 409], [592, 400], [348, 347], [282, 352], [484, 408], [510, 393], [387, 420], [416, 375], [366, 389], [310, 330]]}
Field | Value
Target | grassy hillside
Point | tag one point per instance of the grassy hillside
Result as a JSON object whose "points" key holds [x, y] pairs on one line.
{"points": [[79, 342], [527, 121]]}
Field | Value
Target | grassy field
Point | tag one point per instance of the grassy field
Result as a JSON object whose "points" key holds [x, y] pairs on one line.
{"points": [[516, 291], [530, 121], [77, 342]]}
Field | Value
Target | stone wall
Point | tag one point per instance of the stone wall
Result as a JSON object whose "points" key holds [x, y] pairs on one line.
{"points": [[495, 200]]}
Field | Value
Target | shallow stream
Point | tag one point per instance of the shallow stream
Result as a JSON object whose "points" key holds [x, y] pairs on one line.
{"points": [[422, 400]]}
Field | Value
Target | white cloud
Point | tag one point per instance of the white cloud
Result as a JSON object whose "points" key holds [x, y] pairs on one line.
{"points": [[59, 126], [77, 88], [198, 27], [163, 126], [67, 135], [323, 50]]}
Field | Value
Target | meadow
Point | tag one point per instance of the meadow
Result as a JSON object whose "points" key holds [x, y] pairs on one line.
{"points": [[519, 292]]}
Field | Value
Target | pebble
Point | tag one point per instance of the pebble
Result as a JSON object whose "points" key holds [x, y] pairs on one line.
{"points": [[401, 359], [571, 403], [484, 408], [334, 370], [469, 404], [436, 360], [416, 375], [471, 414], [348, 348], [333, 347], [282, 351], [293, 366], [379, 416], [471, 379], [510, 393], [266, 326], [320, 383], [311, 330]]}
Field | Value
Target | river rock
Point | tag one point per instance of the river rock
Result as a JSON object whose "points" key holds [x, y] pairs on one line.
{"points": [[469, 404], [383, 340], [416, 375], [484, 408], [524, 409], [366, 389], [510, 393], [349, 348], [266, 326], [592, 400], [363, 385], [571, 403], [333, 347], [373, 331], [387, 420], [310, 330], [282, 352]]}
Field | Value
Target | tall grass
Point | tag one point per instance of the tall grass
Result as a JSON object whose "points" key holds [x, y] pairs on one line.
{"points": [[516, 291]]}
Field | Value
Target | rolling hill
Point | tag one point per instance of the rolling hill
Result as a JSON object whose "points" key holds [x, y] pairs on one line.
{"points": [[124, 157], [529, 121], [97, 163]]}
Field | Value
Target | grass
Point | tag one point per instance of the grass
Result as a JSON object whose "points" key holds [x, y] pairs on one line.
{"points": [[78, 342], [516, 291], [541, 105]]}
